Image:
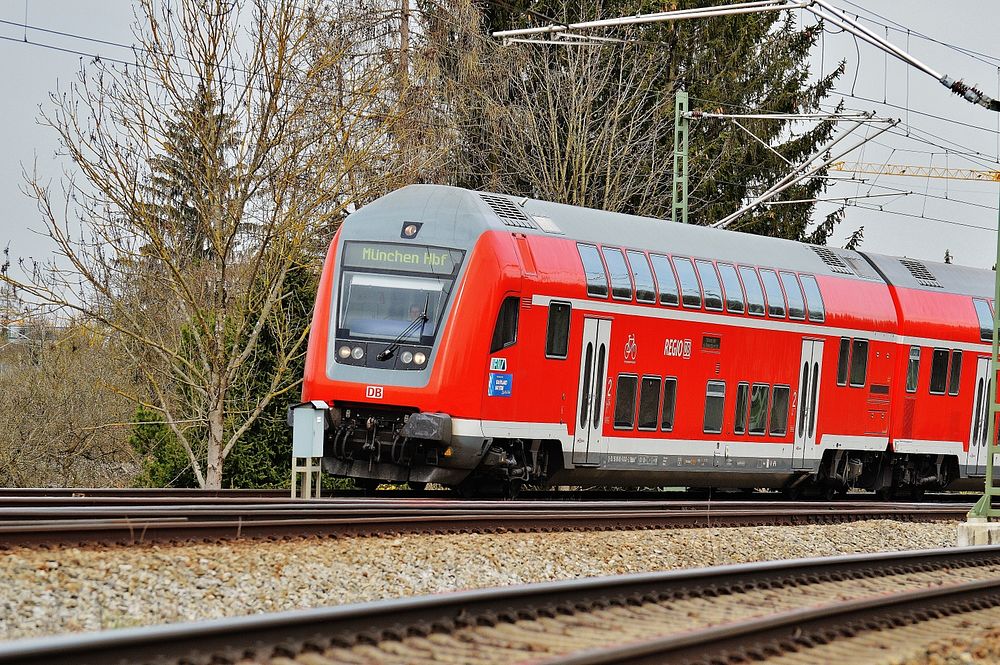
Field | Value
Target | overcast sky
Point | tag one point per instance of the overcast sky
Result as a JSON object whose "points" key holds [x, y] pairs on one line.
{"points": [[30, 72]]}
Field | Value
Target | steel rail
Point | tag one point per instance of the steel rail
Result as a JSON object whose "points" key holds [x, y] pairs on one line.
{"points": [[796, 629], [287, 633], [171, 494], [143, 523]]}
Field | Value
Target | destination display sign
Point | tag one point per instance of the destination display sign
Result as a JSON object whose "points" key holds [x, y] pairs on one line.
{"points": [[394, 256]]}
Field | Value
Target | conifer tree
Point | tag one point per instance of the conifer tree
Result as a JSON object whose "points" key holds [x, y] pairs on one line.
{"points": [[196, 142], [594, 125]]}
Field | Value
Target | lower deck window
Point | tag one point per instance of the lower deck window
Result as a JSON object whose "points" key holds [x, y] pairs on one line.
{"points": [[939, 371], [669, 399], [742, 393], [955, 376], [715, 399], [557, 331], [779, 411], [625, 401], [758, 407], [843, 361], [649, 402], [913, 369], [859, 362]]}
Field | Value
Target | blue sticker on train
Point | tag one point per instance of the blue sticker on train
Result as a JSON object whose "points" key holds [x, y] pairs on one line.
{"points": [[500, 385]]}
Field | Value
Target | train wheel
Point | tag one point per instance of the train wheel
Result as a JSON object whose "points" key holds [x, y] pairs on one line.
{"points": [[512, 489]]}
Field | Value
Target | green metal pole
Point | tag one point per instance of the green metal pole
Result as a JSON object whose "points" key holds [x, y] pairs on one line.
{"points": [[680, 194], [984, 507]]}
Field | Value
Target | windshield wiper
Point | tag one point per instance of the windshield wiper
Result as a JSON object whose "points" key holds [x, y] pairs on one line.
{"points": [[388, 351]]}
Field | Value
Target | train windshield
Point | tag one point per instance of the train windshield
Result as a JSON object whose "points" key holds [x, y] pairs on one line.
{"points": [[386, 287], [384, 306]]}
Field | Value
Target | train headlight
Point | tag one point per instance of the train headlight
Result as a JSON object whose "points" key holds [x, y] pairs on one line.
{"points": [[358, 353], [344, 352], [406, 357], [419, 358]]}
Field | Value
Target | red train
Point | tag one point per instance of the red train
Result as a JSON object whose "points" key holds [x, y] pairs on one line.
{"points": [[483, 341]]}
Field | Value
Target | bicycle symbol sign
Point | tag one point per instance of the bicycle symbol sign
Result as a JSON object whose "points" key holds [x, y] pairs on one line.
{"points": [[631, 349]]}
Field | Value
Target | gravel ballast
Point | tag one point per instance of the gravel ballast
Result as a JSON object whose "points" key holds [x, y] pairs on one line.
{"points": [[48, 591]]}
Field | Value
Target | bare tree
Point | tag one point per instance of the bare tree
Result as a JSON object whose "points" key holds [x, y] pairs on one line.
{"points": [[269, 160], [63, 419], [584, 127]]}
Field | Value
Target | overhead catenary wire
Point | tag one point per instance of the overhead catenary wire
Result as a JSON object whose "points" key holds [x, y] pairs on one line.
{"points": [[833, 199], [672, 15], [799, 173]]}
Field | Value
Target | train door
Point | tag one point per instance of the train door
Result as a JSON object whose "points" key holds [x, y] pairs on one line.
{"points": [[590, 398], [978, 430], [810, 370]]}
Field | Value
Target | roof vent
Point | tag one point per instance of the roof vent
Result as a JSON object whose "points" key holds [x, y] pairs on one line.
{"points": [[921, 273], [832, 260], [508, 213], [546, 224]]}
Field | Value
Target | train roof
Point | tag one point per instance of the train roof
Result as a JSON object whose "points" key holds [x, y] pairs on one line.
{"points": [[465, 214]]}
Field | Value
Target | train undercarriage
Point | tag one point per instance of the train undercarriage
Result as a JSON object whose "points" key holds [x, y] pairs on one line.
{"points": [[399, 445], [376, 446]]}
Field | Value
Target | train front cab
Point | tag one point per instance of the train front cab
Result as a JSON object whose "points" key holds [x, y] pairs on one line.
{"points": [[415, 400]]}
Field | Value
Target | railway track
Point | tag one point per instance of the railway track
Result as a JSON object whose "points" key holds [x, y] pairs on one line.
{"points": [[47, 520], [575, 494], [837, 609]]}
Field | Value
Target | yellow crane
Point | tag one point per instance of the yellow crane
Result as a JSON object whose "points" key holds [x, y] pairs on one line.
{"points": [[916, 171]]}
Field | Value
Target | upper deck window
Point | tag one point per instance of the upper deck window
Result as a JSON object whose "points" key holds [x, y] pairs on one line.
{"points": [[755, 294], [710, 285], [665, 280], [775, 298], [621, 281], [734, 290], [985, 316], [814, 299], [597, 278], [796, 303], [690, 291], [645, 288]]}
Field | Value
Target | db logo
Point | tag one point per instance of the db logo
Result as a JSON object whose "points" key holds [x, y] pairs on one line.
{"points": [[373, 392]]}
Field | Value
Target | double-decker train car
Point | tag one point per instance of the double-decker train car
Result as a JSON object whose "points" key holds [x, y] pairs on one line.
{"points": [[482, 341]]}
